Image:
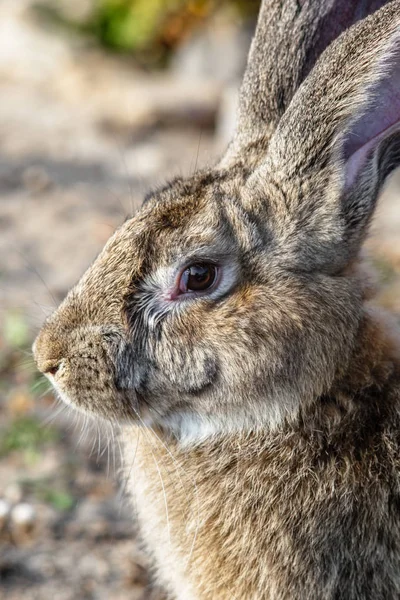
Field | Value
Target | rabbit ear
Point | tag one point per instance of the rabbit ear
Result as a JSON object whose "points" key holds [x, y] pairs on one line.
{"points": [[289, 38], [338, 140]]}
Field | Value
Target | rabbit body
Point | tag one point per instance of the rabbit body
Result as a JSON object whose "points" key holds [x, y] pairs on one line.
{"points": [[309, 511], [228, 328]]}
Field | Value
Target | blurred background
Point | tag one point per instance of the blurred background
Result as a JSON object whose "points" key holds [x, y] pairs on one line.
{"points": [[100, 101]]}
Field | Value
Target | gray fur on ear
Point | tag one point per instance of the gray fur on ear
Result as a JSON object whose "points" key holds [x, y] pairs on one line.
{"points": [[336, 144], [290, 36]]}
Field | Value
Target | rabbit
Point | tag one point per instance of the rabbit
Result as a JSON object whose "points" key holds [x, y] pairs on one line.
{"points": [[229, 331]]}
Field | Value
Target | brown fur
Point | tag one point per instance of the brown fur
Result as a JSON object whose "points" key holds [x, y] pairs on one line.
{"points": [[259, 507], [260, 421]]}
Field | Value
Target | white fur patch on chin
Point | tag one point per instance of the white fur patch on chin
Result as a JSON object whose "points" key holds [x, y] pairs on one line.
{"points": [[192, 429], [61, 395]]}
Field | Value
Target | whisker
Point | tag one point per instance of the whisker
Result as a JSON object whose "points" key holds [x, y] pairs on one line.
{"points": [[36, 272], [195, 488], [123, 491], [54, 414], [198, 151], [123, 212], [127, 174], [162, 484]]}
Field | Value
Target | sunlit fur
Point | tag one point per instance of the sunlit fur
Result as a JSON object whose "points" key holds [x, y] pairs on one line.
{"points": [[260, 422]]}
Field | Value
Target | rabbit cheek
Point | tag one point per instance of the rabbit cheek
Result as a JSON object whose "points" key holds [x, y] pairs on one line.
{"points": [[188, 371], [159, 387]]}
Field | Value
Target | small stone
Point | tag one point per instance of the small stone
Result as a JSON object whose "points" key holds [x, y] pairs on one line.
{"points": [[23, 514], [5, 509], [23, 518]]}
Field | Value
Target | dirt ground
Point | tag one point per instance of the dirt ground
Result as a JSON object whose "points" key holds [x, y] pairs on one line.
{"points": [[82, 137]]}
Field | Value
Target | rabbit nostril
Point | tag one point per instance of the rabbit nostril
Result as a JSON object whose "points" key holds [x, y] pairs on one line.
{"points": [[52, 369]]}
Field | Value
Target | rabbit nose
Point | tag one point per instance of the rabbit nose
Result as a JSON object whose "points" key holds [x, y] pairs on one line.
{"points": [[51, 368], [47, 366], [48, 352]]}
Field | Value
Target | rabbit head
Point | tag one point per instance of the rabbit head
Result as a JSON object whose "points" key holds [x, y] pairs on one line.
{"points": [[233, 297]]}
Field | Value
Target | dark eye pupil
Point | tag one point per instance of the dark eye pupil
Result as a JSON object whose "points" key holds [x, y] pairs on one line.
{"points": [[200, 277]]}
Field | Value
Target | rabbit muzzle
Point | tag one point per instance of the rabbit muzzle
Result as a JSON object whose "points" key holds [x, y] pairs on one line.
{"points": [[81, 365]]}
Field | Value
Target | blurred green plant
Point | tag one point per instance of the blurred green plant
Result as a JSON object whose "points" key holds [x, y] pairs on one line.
{"points": [[50, 491], [26, 434], [61, 500], [16, 362], [148, 29], [136, 25], [16, 331], [17, 366]]}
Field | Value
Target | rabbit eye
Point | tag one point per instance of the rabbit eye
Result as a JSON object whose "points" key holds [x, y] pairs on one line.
{"points": [[198, 278]]}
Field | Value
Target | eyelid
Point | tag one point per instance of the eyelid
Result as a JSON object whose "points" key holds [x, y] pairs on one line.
{"points": [[196, 259], [205, 254]]}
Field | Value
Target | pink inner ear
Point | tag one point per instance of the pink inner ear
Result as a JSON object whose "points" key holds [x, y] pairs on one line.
{"points": [[379, 119], [357, 160]]}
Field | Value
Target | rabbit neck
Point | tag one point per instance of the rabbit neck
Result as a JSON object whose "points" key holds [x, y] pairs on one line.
{"points": [[375, 360]]}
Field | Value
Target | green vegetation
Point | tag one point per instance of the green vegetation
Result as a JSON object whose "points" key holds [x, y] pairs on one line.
{"points": [[61, 500], [141, 25], [147, 29], [50, 491], [16, 332], [26, 434]]}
